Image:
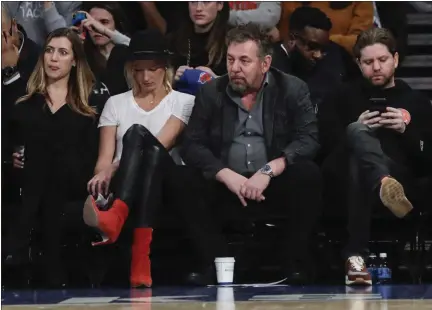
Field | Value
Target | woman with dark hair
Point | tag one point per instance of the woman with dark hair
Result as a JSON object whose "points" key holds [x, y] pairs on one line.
{"points": [[105, 27], [54, 124], [200, 42]]}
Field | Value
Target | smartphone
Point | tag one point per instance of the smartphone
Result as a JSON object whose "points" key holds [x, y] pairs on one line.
{"points": [[378, 105], [77, 18]]}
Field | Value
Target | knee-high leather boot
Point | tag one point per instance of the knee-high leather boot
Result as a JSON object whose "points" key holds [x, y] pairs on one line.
{"points": [[110, 223], [157, 160]]}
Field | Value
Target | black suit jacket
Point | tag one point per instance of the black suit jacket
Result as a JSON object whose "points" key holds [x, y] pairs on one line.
{"points": [[10, 93], [290, 126]]}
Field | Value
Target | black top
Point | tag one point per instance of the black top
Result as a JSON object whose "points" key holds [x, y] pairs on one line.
{"points": [[171, 11], [322, 79], [198, 53], [60, 148]]}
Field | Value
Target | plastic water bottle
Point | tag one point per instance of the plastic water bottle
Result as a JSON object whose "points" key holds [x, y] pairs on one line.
{"points": [[384, 271], [372, 266]]}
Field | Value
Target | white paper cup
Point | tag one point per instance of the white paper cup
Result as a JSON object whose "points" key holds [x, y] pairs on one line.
{"points": [[225, 269]]}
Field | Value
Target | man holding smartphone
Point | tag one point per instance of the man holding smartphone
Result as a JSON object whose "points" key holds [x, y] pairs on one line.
{"points": [[380, 129]]}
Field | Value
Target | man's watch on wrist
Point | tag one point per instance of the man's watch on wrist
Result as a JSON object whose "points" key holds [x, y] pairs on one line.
{"points": [[9, 71], [267, 170]]}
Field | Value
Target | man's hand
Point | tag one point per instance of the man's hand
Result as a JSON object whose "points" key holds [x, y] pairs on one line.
{"points": [[393, 119], [233, 181], [372, 119], [254, 187], [9, 55]]}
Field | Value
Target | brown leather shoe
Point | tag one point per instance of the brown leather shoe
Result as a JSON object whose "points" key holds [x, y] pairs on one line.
{"points": [[393, 197], [356, 272], [108, 223]]}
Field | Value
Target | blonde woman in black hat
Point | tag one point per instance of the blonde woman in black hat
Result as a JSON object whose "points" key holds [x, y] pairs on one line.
{"points": [[139, 129]]}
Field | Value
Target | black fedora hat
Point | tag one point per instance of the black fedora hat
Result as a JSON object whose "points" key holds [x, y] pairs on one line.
{"points": [[148, 44]]}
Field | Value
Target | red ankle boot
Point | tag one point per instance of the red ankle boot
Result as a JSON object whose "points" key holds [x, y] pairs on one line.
{"points": [[109, 223], [140, 265]]}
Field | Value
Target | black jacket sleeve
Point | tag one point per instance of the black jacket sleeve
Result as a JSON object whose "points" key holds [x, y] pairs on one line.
{"points": [[305, 143], [195, 150]]}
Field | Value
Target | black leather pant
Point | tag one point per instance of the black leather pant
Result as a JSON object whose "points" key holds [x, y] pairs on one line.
{"points": [[138, 180]]}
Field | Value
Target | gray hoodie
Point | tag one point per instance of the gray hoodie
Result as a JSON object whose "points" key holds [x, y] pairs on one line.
{"points": [[38, 22]]}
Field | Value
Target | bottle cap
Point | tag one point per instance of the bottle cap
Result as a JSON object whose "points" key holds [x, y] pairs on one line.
{"points": [[383, 255]]}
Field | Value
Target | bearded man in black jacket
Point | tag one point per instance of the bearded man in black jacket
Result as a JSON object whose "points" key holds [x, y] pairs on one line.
{"points": [[380, 128], [252, 138]]}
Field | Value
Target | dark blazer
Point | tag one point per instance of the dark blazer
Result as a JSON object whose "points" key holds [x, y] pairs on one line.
{"points": [[10, 93], [290, 125]]}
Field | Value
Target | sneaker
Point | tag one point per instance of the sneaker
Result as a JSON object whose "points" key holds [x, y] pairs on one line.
{"points": [[356, 272]]}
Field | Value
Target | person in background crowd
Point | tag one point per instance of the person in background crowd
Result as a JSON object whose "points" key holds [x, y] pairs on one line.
{"points": [[378, 128], [349, 19], [308, 54], [245, 150], [18, 58], [39, 18], [56, 123], [200, 42], [264, 14], [105, 28], [138, 128]]}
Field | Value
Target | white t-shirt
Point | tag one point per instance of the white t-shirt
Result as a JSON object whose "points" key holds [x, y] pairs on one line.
{"points": [[123, 111]]}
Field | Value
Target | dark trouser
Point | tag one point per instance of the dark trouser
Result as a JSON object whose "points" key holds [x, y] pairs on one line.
{"points": [[296, 194], [367, 166], [56, 220]]}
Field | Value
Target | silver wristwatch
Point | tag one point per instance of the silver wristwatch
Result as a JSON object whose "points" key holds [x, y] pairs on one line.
{"points": [[267, 170]]}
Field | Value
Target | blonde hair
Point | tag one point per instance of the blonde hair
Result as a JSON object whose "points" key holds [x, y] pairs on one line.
{"points": [[81, 79], [167, 80]]}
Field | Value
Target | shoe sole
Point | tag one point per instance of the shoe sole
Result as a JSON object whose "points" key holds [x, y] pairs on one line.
{"points": [[141, 285], [91, 219], [357, 281], [89, 213], [393, 197]]}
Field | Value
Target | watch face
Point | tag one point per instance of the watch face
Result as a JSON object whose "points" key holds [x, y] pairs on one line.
{"points": [[8, 71], [266, 169]]}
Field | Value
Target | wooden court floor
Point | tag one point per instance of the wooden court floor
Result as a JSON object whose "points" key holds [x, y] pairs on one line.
{"points": [[319, 305]]}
